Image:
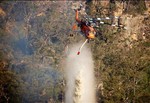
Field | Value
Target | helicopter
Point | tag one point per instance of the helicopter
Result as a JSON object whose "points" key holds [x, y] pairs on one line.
{"points": [[86, 29], [89, 24]]}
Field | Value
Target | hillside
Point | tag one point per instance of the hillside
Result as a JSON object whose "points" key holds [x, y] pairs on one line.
{"points": [[34, 36]]}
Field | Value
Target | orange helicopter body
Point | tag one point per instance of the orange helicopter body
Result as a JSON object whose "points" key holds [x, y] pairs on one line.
{"points": [[87, 30]]}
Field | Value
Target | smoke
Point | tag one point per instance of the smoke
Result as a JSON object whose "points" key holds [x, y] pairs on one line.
{"points": [[80, 86]]}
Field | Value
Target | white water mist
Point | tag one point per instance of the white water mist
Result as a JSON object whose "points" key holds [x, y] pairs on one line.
{"points": [[79, 70]]}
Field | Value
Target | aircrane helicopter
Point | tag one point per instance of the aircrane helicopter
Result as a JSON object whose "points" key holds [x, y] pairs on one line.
{"points": [[88, 26]]}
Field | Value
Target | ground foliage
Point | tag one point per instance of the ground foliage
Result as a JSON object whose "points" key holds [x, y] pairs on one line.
{"points": [[123, 73], [33, 36]]}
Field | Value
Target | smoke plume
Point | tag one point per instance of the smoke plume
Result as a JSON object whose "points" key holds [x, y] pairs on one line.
{"points": [[79, 70]]}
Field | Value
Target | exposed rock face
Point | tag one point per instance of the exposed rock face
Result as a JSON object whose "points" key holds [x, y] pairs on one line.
{"points": [[147, 2], [2, 12], [119, 9]]}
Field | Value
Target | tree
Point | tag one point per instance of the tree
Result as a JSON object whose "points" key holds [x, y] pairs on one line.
{"points": [[10, 91]]}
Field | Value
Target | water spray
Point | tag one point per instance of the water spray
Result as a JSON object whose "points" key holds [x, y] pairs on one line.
{"points": [[79, 70]]}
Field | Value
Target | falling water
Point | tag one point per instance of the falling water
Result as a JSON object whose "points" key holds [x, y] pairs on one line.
{"points": [[79, 71]]}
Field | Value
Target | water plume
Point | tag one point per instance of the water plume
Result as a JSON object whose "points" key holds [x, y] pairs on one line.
{"points": [[80, 85]]}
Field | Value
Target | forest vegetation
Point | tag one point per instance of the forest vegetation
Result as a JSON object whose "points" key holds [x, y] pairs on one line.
{"points": [[33, 37]]}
